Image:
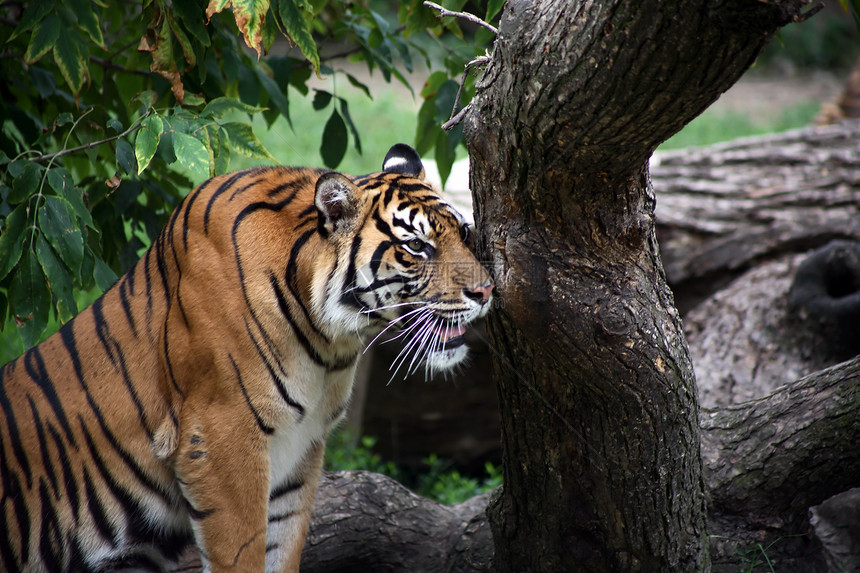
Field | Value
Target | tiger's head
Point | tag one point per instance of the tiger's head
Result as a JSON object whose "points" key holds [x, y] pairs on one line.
{"points": [[403, 261]]}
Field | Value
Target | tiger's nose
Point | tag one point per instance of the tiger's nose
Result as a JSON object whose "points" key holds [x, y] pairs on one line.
{"points": [[480, 293]]}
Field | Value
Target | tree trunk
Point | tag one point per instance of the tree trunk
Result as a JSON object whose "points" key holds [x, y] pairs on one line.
{"points": [[766, 461], [598, 401]]}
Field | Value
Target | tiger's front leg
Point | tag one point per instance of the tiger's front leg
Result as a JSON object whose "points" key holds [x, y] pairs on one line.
{"points": [[223, 469], [290, 505]]}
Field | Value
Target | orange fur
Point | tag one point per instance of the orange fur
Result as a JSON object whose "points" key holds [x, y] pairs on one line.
{"points": [[192, 401]]}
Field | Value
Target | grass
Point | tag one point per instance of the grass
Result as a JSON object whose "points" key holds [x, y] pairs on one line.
{"points": [[390, 117], [716, 127]]}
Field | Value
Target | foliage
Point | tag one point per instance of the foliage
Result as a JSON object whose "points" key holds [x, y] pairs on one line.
{"points": [[112, 111], [440, 482], [828, 40], [448, 486], [345, 452]]}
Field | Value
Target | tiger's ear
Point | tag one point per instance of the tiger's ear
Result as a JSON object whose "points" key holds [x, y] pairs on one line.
{"points": [[336, 200], [403, 159]]}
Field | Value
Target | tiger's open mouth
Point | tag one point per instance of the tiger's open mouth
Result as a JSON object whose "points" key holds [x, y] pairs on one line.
{"points": [[450, 336]]}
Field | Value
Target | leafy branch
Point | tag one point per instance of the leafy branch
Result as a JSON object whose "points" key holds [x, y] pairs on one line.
{"points": [[56, 155]]}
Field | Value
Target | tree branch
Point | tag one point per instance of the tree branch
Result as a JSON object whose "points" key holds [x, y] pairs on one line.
{"points": [[62, 152], [769, 460], [462, 15], [368, 522]]}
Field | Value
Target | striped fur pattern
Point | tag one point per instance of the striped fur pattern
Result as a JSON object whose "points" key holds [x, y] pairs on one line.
{"points": [[191, 402]]}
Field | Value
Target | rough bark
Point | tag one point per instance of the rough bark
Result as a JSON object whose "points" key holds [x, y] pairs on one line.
{"points": [[599, 428], [368, 522]]}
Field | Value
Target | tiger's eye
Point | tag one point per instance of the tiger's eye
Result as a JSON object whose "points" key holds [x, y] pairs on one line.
{"points": [[416, 245]]}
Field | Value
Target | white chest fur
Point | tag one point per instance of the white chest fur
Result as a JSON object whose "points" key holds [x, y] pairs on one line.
{"points": [[325, 397]]}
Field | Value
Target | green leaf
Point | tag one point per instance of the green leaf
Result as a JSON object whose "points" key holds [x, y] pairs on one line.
{"points": [[444, 156], [147, 140], [125, 158], [427, 129], [12, 239], [62, 182], [249, 15], [445, 98], [299, 30], [58, 277], [26, 182], [344, 109], [114, 124], [276, 94], [147, 98], [58, 222], [44, 36], [244, 141], [431, 85], [358, 84], [321, 99], [220, 151], [334, 140], [103, 275], [30, 299], [184, 42], [70, 60], [193, 19], [221, 105], [192, 153], [32, 15], [43, 81], [88, 21]]}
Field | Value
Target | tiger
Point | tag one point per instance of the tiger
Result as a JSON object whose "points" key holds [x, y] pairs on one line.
{"points": [[190, 404]]}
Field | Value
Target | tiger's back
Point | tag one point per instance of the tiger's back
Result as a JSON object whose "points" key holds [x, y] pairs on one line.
{"points": [[191, 402]]}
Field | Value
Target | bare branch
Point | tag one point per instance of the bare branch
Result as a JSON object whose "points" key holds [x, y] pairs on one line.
{"points": [[456, 117], [462, 15]]}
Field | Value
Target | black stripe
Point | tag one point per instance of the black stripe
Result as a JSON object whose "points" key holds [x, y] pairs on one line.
{"points": [[291, 278], [70, 344], [221, 189], [282, 390], [298, 182], [98, 512], [34, 363], [147, 275], [198, 514], [15, 437], [13, 491], [168, 362], [43, 447], [115, 352], [348, 296], [125, 301], [69, 482], [187, 204], [281, 516], [281, 297], [285, 488], [265, 428], [378, 254], [389, 195], [139, 527], [50, 536]]}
